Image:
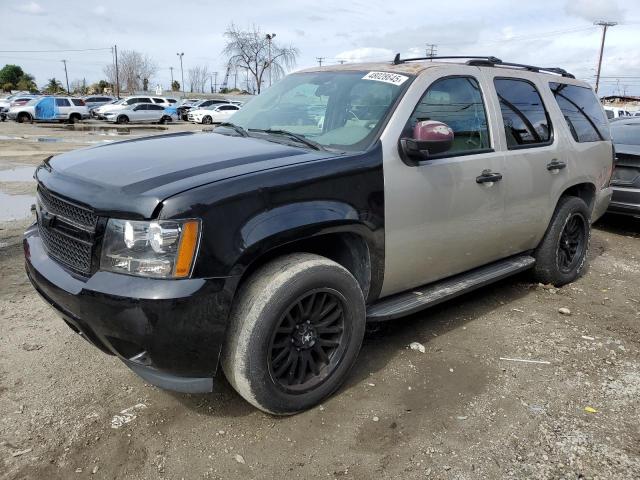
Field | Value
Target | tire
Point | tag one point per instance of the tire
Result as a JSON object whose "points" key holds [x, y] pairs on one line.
{"points": [[122, 119], [24, 117], [165, 119], [73, 118], [268, 318], [562, 254], [207, 120]]}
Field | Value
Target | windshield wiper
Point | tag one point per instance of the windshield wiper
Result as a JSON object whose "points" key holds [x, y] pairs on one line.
{"points": [[237, 128], [294, 136]]}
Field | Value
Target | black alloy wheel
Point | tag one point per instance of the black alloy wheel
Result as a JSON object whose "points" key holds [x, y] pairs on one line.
{"points": [[571, 243], [207, 120], [309, 341]]}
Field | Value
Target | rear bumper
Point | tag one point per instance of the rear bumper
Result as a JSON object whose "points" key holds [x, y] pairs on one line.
{"points": [[170, 332], [625, 201], [603, 198]]}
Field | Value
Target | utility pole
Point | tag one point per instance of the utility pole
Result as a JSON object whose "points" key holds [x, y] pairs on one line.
{"points": [[171, 68], [432, 50], [66, 75], [604, 26], [320, 60], [270, 37], [341, 62], [182, 72], [115, 49], [215, 83]]}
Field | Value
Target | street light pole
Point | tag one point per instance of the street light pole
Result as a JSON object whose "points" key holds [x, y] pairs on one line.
{"points": [[181, 72], [215, 82], [66, 75], [270, 37], [171, 68]]}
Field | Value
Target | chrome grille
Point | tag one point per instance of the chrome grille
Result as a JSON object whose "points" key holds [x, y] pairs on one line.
{"points": [[68, 211]]}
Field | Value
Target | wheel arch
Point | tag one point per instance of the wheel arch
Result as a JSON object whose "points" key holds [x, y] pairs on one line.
{"points": [[585, 191], [326, 228]]}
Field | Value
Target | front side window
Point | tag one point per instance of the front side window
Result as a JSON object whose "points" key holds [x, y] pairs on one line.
{"points": [[457, 102], [582, 112], [341, 110], [526, 121]]}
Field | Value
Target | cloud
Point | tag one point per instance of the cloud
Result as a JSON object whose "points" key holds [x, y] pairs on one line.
{"points": [[31, 8], [299, 32], [100, 10], [366, 54], [593, 10]]}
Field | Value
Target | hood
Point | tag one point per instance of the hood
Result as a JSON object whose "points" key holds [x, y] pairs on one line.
{"points": [[132, 177]]}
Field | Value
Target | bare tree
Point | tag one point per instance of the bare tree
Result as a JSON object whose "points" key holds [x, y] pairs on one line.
{"points": [[198, 77], [252, 51], [133, 68]]}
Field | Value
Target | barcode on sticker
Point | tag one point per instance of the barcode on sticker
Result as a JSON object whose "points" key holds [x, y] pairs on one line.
{"points": [[386, 77]]}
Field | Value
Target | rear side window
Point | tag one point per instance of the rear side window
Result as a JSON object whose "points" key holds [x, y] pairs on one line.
{"points": [[456, 101], [155, 107], [582, 112], [62, 102], [77, 102], [526, 121]]}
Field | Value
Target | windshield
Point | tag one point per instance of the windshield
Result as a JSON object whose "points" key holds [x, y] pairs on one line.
{"points": [[341, 110]]}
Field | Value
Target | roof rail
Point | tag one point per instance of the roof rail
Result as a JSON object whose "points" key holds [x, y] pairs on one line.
{"points": [[488, 61]]}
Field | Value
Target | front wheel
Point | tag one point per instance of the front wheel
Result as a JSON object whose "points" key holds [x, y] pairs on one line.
{"points": [[295, 332], [122, 119], [207, 120], [562, 254]]}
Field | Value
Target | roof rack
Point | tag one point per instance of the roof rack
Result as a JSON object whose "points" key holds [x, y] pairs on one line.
{"points": [[489, 61]]}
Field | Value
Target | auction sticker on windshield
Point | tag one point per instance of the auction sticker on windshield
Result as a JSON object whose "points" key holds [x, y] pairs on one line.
{"points": [[386, 77]]}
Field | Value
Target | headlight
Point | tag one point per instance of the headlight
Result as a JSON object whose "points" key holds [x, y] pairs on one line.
{"points": [[161, 249]]}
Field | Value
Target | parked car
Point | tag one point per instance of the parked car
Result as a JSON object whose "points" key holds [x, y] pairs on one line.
{"points": [[266, 247], [101, 112], [68, 109], [626, 175], [141, 113], [94, 101], [615, 112], [14, 101], [183, 110], [212, 114]]}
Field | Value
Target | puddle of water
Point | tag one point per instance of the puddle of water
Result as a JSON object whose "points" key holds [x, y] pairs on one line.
{"points": [[49, 139], [17, 174], [15, 207], [107, 129], [9, 137]]}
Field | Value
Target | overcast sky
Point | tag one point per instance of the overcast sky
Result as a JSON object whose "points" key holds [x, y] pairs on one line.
{"points": [[543, 32]]}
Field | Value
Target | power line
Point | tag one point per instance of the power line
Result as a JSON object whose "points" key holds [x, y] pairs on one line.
{"points": [[56, 51]]}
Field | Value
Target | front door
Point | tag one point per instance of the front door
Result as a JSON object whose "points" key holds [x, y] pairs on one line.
{"points": [[440, 218]]}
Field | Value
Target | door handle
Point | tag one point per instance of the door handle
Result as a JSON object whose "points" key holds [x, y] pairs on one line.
{"points": [[487, 176], [556, 165]]}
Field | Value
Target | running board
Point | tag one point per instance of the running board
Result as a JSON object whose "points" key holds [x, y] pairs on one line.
{"points": [[415, 300]]}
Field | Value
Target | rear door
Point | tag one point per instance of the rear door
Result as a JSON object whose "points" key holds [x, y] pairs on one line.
{"points": [[64, 108], [439, 220], [155, 113], [530, 143]]}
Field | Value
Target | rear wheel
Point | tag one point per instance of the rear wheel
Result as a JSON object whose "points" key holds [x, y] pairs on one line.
{"points": [[207, 120], [165, 119], [561, 256], [295, 332], [122, 119], [73, 118]]}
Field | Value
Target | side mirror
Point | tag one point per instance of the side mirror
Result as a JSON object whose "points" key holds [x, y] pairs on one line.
{"points": [[429, 138]]}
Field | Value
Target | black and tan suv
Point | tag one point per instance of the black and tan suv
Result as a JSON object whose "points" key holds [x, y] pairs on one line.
{"points": [[339, 196]]}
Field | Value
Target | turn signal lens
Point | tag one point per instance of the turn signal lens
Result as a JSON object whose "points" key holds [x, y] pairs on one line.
{"points": [[187, 248]]}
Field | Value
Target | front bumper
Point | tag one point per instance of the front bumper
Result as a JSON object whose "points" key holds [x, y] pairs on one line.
{"points": [[170, 332], [625, 201]]}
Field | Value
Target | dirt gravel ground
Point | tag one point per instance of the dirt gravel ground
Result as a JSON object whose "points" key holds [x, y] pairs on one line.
{"points": [[456, 411]]}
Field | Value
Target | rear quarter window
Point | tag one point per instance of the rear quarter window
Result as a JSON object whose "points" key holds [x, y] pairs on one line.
{"points": [[582, 112]]}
